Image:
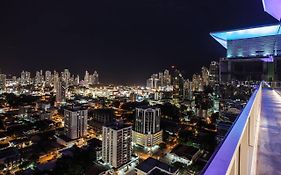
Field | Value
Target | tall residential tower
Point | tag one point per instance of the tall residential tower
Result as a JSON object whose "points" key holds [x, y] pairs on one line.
{"points": [[75, 122], [117, 144], [147, 130]]}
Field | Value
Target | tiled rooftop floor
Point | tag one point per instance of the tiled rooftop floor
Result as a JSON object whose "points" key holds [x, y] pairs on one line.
{"points": [[269, 143]]}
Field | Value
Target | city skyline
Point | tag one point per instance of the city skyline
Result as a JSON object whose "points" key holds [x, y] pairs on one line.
{"points": [[37, 76], [140, 87], [101, 36]]}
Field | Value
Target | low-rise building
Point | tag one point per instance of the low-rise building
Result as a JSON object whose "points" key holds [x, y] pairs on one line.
{"points": [[147, 140], [184, 154], [10, 157], [153, 166]]}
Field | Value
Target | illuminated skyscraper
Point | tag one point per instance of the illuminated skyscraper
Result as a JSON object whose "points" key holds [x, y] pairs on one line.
{"points": [[214, 72], [117, 144], [177, 82], [25, 78], [147, 130], [161, 79], [75, 122], [153, 82], [86, 79], [61, 92], [188, 91], [197, 83], [167, 78], [56, 81], [205, 76], [66, 76], [42, 78], [37, 78], [95, 78], [71, 80], [77, 80], [48, 78]]}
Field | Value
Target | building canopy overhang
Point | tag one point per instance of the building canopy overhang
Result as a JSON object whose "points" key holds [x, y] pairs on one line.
{"points": [[223, 37]]}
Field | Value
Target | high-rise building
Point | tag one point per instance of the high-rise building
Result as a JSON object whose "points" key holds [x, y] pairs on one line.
{"points": [[95, 78], [22, 77], [2, 82], [38, 78], [61, 92], [56, 80], [117, 144], [214, 72], [147, 130], [197, 83], [25, 78], [149, 83], [161, 79], [177, 82], [66, 76], [86, 79], [167, 78], [42, 78], [14, 79], [188, 92], [75, 122], [71, 80], [205, 76], [253, 54], [153, 82], [48, 78], [77, 80]]}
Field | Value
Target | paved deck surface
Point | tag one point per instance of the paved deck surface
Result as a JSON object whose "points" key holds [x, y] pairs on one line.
{"points": [[269, 143]]}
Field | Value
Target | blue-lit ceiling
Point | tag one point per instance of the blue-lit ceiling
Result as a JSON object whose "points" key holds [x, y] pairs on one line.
{"points": [[223, 37]]}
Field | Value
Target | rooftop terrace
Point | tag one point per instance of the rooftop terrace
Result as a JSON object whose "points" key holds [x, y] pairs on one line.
{"points": [[253, 145], [269, 140]]}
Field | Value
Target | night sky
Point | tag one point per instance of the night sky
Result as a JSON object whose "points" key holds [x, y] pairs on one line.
{"points": [[124, 40]]}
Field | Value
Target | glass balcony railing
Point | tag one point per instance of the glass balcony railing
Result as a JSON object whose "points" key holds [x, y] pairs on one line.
{"points": [[237, 154]]}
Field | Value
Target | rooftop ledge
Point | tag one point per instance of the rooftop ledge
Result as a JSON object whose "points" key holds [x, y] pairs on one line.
{"points": [[253, 144]]}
